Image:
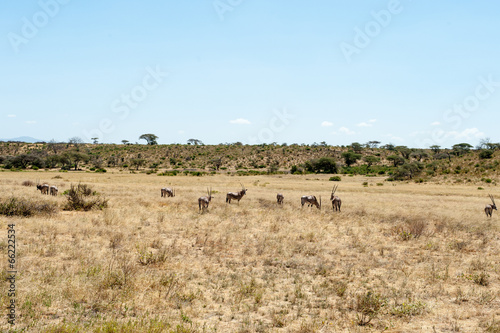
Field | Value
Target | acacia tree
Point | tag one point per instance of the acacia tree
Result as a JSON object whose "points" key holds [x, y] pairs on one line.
{"points": [[75, 157], [435, 148], [396, 159], [370, 160], [195, 142], [461, 148], [150, 138], [350, 157]]}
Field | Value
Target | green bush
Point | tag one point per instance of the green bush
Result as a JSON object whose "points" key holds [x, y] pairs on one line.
{"points": [[169, 173], [335, 179], [322, 165], [486, 154]]}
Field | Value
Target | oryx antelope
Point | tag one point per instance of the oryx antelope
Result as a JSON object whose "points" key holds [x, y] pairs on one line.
{"points": [[203, 202], [44, 189], [54, 190], [336, 202], [236, 196], [311, 200], [280, 198], [489, 208], [167, 192]]}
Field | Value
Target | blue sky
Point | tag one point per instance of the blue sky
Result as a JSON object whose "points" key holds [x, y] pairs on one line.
{"points": [[413, 73]]}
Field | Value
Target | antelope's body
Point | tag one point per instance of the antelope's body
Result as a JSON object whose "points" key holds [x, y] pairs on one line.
{"points": [[236, 195], [167, 192], [311, 201], [54, 190], [336, 202], [44, 189], [280, 198], [489, 208], [203, 202]]}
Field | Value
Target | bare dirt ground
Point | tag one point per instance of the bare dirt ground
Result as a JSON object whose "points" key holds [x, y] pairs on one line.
{"points": [[400, 257]]}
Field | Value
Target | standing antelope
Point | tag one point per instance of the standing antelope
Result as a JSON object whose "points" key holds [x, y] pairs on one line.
{"points": [[167, 192], [489, 208], [280, 198], [236, 196], [336, 202], [203, 202], [54, 190], [44, 189], [311, 200]]}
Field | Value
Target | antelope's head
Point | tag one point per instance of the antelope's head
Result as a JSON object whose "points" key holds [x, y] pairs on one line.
{"points": [[316, 203], [243, 190], [334, 189], [494, 206]]}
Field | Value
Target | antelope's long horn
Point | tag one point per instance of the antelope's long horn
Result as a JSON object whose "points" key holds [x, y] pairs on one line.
{"points": [[492, 200], [243, 187]]}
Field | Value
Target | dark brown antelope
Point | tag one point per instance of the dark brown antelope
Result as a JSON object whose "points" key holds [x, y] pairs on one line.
{"points": [[203, 202], [489, 208], [54, 190], [44, 189], [280, 198], [236, 196], [167, 192], [336, 202], [311, 200]]}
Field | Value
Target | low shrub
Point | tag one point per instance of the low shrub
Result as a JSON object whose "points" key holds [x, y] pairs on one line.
{"points": [[28, 183], [368, 307], [26, 208], [81, 197]]}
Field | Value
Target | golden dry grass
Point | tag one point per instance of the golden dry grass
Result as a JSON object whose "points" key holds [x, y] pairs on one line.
{"points": [[403, 257]]}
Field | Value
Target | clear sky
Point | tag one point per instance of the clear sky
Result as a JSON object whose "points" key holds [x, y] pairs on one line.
{"points": [[413, 73]]}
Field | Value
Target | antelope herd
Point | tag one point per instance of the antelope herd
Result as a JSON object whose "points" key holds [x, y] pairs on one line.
{"points": [[204, 201], [46, 189]]}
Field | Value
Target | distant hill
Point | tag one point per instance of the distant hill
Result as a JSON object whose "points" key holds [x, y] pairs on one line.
{"points": [[27, 139]]}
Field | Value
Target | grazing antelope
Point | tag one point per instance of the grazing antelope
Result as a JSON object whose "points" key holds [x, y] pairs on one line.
{"points": [[236, 196], [336, 202], [311, 200], [54, 190], [167, 192], [280, 198], [489, 208], [44, 189], [203, 202]]}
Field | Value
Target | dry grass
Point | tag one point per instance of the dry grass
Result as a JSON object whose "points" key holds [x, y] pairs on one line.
{"points": [[399, 257]]}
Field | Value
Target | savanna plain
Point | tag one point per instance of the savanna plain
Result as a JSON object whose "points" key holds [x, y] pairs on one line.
{"points": [[399, 257]]}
